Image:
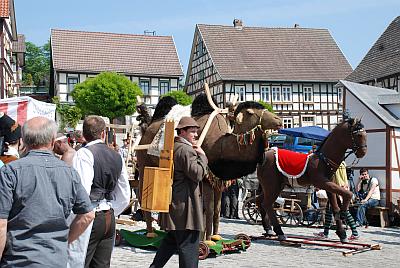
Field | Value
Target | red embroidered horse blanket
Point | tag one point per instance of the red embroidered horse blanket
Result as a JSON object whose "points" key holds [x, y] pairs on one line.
{"points": [[289, 163]]}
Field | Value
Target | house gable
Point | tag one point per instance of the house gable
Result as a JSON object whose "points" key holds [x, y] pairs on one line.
{"points": [[382, 60]]}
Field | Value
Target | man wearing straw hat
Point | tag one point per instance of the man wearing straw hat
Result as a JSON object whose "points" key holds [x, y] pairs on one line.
{"points": [[184, 222]]}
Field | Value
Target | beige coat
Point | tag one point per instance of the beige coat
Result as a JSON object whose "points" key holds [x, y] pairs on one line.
{"points": [[186, 209]]}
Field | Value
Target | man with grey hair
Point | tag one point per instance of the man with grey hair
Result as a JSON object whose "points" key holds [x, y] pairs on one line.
{"points": [[105, 179], [37, 194]]}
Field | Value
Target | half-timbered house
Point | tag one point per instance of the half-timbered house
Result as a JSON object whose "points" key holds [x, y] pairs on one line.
{"points": [[381, 65], [150, 61], [380, 112], [293, 69]]}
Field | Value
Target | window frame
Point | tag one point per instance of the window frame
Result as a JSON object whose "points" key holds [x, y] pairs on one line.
{"points": [[287, 93], [161, 88], [148, 83], [241, 91], [276, 93], [309, 95], [265, 93]]}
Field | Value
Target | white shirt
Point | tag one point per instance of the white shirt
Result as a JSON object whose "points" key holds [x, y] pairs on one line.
{"points": [[83, 162], [376, 194]]}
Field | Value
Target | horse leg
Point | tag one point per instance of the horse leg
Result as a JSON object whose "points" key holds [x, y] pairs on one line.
{"points": [[270, 195], [217, 210], [339, 213], [264, 217]]}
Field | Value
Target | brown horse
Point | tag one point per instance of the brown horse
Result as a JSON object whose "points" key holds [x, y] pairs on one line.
{"points": [[349, 134]]}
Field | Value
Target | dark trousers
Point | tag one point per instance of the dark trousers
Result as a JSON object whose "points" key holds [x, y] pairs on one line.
{"points": [[101, 240], [231, 202], [183, 242]]}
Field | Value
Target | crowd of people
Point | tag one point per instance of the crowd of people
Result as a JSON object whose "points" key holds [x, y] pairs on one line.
{"points": [[58, 205]]}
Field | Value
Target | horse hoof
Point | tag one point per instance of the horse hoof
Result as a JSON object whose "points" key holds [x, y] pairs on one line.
{"points": [[282, 237], [269, 233]]}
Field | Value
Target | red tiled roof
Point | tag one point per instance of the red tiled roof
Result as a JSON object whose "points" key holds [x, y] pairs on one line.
{"points": [[4, 8], [277, 54], [123, 53], [383, 59]]}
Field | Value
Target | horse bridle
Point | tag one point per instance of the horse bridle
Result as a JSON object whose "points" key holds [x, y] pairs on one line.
{"points": [[355, 147], [332, 165]]}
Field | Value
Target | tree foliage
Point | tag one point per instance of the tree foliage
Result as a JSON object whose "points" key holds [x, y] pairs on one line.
{"points": [[108, 94], [266, 106], [181, 97], [37, 64], [69, 115]]}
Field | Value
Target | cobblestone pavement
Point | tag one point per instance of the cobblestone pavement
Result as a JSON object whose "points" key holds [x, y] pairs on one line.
{"points": [[271, 254]]}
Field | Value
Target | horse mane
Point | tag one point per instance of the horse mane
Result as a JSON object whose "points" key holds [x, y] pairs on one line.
{"points": [[248, 105], [163, 107], [201, 106], [357, 126]]}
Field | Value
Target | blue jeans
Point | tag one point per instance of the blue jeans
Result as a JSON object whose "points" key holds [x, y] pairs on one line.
{"points": [[363, 208]]}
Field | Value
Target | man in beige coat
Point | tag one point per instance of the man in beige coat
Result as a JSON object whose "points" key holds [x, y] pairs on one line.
{"points": [[184, 222]]}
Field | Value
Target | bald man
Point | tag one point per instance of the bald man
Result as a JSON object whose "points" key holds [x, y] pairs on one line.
{"points": [[37, 194]]}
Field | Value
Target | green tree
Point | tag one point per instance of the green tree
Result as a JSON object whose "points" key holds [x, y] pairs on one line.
{"points": [[108, 94], [69, 114], [266, 106], [37, 64], [181, 97]]}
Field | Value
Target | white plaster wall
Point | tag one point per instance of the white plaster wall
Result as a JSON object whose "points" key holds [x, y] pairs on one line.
{"points": [[62, 78], [82, 77], [376, 154], [135, 79], [154, 82], [62, 88], [357, 109], [174, 82]]}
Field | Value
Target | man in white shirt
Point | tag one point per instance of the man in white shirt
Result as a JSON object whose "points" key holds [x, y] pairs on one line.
{"points": [[105, 178], [369, 188]]}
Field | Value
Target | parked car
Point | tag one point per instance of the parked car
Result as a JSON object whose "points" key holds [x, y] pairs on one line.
{"points": [[297, 144]]}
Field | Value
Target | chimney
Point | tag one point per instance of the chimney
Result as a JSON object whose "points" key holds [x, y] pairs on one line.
{"points": [[296, 25], [238, 24]]}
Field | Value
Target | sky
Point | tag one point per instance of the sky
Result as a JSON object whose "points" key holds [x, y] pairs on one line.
{"points": [[354, 24]]}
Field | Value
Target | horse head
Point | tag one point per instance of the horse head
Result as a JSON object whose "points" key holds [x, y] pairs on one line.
{"points": [[356, 136], [249, 115]]}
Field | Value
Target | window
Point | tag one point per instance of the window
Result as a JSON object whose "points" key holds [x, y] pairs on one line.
{"points": [[276, 93], [287, 122], [305, 142], [240, 91], [307, 121], [264, 92], [164, 87], [308, 94], [340, 95], [71, 82], [286, 94], [145, 86]]}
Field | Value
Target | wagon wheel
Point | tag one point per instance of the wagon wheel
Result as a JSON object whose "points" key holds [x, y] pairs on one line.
{"points": [[245, 238], [292, 218], [251, 212], [311, 216], [118, 238], [204, 250]]}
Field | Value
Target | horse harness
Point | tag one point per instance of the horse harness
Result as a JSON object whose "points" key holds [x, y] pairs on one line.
{"points": [[332, 165], [248, 137]]}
